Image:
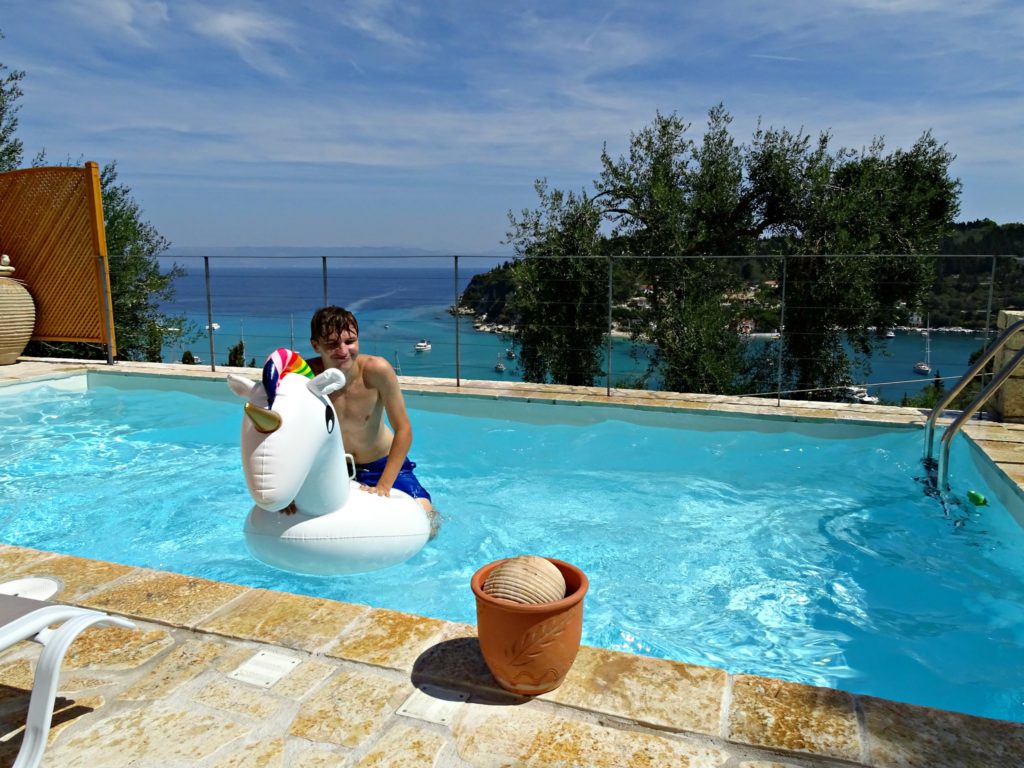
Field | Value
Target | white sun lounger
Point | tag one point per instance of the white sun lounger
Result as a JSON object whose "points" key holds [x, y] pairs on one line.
{"points": [[23, 618]]}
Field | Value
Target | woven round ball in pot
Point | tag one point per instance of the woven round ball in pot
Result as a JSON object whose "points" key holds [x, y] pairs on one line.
{"points": [[527, 579]]}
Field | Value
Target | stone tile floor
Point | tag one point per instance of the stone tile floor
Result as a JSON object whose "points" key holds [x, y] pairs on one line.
{"points": [[363, 679], [163, 694]]}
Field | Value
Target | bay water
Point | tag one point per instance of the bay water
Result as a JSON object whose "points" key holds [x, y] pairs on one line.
{"points": [[269, 306]]}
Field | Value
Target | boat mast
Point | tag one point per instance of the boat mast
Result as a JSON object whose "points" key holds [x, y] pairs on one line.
{"points": [[928, 343]]}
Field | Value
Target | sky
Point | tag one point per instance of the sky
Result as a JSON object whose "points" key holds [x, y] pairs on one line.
{"points": [[422, 124]]}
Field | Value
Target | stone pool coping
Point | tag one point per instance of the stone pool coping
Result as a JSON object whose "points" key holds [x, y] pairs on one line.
{"points": [[154, 696]]}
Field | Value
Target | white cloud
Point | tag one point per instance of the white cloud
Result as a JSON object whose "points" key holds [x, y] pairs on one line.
{"points": [[770, 57], [133, 20], [377, 19], [250, 35], [392, 93], [613, 44], [921, 6]]}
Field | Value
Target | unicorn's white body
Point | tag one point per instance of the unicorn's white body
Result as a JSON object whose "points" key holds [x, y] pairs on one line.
{"points": [[292, 451]]}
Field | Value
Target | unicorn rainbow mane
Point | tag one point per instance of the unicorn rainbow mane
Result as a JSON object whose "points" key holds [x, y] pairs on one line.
{"points": [[280, 363]]}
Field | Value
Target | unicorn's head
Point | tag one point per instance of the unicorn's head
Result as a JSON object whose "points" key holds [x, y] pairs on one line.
{"points": [[291, 439]]}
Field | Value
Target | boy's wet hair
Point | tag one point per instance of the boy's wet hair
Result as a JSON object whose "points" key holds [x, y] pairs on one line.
{"points": [[328, 321]]}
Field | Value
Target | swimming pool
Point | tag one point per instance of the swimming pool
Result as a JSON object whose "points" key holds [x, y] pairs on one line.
{"points": [[804, 551]]}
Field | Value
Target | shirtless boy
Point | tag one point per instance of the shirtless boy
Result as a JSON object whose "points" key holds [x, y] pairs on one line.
{"points": [[371, 391]]}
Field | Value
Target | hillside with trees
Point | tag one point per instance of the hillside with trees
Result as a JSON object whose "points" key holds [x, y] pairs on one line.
{"points": [[981, 256]]}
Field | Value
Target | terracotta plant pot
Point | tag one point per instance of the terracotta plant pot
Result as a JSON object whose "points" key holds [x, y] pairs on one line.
{"points": [[530, 648]]}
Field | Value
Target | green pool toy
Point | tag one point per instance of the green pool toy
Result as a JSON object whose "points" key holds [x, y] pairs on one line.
{"points": [[977, 499]]}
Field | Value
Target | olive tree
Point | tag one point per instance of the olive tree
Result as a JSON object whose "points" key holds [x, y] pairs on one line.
{"points": [[559, 288], [857, 230], [672, 205]]}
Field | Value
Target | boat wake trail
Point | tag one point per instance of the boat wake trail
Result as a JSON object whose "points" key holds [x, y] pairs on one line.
{"points": [[359, 304]]}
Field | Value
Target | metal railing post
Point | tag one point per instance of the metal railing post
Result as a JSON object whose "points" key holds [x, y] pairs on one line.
{"points": [[455, 307], [324, 272], [991, 288], [608, 353], [209, 313], [782, 330]]}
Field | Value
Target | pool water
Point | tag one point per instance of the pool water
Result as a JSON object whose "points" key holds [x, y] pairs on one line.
{"points": [[802, 551]]}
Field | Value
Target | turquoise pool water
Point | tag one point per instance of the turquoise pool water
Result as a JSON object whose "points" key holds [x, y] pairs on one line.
{"points": [[802, 551]]}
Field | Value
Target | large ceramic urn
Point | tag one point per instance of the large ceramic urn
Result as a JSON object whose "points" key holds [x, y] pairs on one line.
{"points": [[17, 314]]}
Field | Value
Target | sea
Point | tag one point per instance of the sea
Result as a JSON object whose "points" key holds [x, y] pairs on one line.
{"points": [[267, 304]]}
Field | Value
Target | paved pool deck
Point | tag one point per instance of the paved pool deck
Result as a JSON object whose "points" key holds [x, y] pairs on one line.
{"points": [[363, 686]]}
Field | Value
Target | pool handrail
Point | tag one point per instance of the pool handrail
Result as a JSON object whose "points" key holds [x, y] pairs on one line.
{"points": [[1004, 373], [967, 378]]}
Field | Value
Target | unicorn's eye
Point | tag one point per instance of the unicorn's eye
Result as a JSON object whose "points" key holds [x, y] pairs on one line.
{"points": [[329, 419]]}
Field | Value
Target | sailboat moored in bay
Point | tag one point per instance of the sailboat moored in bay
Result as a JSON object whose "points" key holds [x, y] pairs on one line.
{"points": [[924, 367]]}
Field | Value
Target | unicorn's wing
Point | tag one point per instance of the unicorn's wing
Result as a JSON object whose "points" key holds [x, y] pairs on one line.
{"points": [[327, 382]]}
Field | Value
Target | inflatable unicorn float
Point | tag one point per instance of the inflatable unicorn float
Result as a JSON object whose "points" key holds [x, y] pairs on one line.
{"points": [[292, 452]]}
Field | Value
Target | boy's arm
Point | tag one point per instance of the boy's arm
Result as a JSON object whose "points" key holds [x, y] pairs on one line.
{"points": [[381, 376]]}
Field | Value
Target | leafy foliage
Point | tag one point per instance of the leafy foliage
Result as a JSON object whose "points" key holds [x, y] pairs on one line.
{"points": [[984, 271], [10, 91], [488, 292], [673, 197], [929, 396], [673, 205], [236, 354], [559, 291], [889, 207], [136, 283]]}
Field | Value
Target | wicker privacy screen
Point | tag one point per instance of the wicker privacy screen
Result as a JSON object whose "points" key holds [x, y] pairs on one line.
{"points": [[51, 225]]}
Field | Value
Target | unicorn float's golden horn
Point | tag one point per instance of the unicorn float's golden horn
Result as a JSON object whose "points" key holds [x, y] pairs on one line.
{"points": [[265, 421]]}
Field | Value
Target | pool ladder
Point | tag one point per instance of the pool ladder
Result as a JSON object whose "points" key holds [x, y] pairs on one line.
{"points": [[941, 468]]}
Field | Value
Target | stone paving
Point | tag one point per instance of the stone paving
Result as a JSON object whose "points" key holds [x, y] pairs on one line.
{"points": [[373, 687], [163, 694]]}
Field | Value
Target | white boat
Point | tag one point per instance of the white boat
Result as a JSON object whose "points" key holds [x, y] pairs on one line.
{"points": [[890, 334], [499, 367], [859, 395], [423, 345], [924, 367]]}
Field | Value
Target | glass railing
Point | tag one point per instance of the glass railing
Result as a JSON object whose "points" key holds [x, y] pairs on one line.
{"points": [[409, 312]]}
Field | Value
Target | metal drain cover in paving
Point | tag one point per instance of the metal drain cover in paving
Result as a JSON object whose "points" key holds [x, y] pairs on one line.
{"points": [[432, 704], [264, 669]]}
